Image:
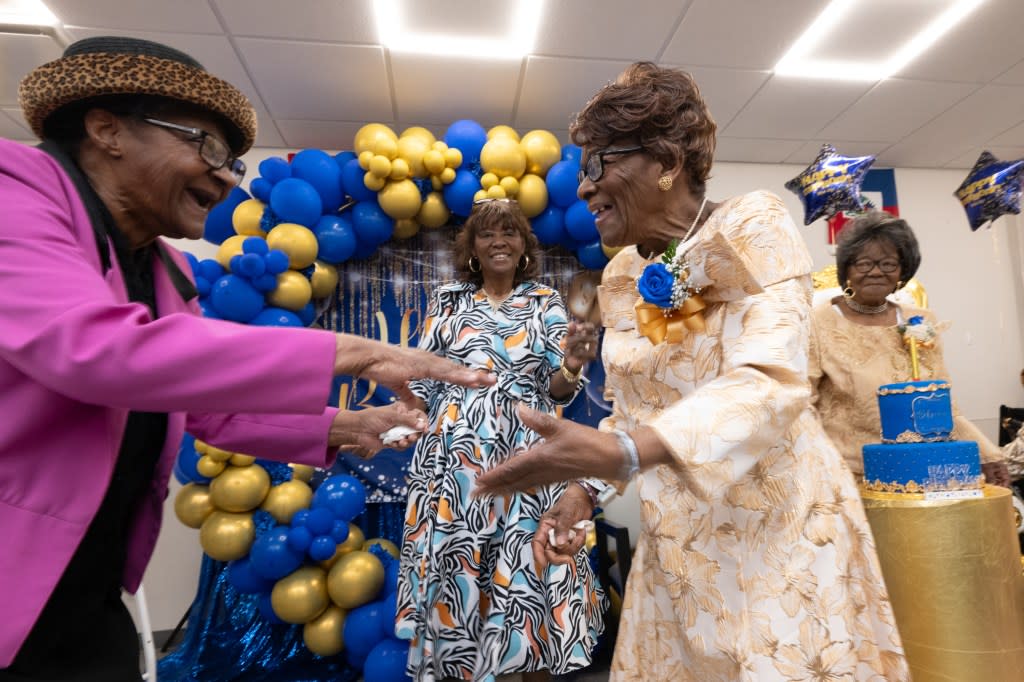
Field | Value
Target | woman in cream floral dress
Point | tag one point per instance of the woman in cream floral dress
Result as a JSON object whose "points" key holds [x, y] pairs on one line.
{"points": [[755, 561]]}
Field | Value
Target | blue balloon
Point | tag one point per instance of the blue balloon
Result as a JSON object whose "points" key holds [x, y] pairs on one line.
{"points": [[307, 314], [275, 169], [340, 530], [830, 184], [235, 299], [296, 201], [323, 548], [249, 265], [562, 183], [218, 225], [193, 262], [185, 465], [265, 282], [386, 661], [364, 250], [364, 627], [271, 557], [208, 310], [319, 169], [574, 153], [299, 518], [211, 269], [372, 225], [203, 286], [341, 158], [276, 317], [459, 193], [592, 256], [469, 137], [260, 188], [320, 520], [549, 226], [391, 577], [579, 222], [991, 189], [354, 660], [299, 539], [352, 177], [245, 580], [266, 609], [277, 261], [256, 245], [336, 238], [344, 496]]}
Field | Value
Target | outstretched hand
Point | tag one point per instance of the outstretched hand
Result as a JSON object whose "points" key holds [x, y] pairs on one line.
{"points": [[359, 431]]}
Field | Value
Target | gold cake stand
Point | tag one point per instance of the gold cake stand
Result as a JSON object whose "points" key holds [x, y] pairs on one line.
{"points": [[953, 570]]}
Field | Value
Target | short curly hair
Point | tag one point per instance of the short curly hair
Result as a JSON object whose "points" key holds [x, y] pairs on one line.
{"points": [[662, 107], [872, 227], [500, 213]]}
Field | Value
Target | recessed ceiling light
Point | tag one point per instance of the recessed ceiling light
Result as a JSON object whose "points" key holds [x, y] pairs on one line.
{"points": [[797, 62], [516, 43], [26, 12]]}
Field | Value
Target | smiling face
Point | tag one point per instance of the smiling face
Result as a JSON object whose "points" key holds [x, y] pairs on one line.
{"points": [[866, 273], [499, 246]]}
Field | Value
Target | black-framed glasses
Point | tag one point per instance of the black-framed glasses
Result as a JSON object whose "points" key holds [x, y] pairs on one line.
{"points": [[593, 169], [866, 265], [214, 151]]}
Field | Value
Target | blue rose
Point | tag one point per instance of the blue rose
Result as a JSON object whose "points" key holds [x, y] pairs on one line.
{"points": [[916, 319], [655, 285]]}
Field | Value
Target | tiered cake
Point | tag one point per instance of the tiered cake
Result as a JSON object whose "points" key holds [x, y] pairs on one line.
{"points": [[916, 455]]}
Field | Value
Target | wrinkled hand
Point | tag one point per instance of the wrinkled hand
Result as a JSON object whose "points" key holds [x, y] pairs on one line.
{"points": [[569, 451], [580, 345], [571, 508], [996, 473], [359, 431], [394, 367]]}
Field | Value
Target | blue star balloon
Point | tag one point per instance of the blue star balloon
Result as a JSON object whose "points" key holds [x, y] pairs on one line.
{"points": [[991, 189], [830, 184]]}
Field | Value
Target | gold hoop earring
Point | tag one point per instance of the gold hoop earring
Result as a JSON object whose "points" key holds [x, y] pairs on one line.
{"points": [[848, 292], [665, 183], [522, 265], [470, 264], [899, 285]]}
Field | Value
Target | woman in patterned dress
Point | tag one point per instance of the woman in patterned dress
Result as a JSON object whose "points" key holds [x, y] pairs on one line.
{"points": [[754, 561], [470, 597]]}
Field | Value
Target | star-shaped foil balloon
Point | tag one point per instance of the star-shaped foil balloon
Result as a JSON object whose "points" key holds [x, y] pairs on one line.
{"points": [[830, 184], [991, 189]]}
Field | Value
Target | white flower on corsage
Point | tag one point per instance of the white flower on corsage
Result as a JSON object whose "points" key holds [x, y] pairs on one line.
{"points": [[920, 330]]}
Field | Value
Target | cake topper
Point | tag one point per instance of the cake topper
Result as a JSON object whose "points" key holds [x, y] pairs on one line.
{"points": [[917, 332]]}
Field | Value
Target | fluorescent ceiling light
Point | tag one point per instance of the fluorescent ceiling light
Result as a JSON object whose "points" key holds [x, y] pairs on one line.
{"points": [[517, 42], [26, 13], [797, 61]]}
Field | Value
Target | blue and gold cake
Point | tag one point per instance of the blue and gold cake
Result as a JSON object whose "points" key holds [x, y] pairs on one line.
{"points": [[916, 455]]}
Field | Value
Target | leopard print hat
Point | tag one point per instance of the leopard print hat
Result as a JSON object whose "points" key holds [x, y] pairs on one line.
{"points": [[126, 66]]}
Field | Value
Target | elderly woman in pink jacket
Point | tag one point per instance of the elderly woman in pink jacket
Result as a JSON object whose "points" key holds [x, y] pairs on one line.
{"points": [[105, 360]]}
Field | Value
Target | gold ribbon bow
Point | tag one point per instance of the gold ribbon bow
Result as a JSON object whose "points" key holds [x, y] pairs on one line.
{"points": [[657, 326]]}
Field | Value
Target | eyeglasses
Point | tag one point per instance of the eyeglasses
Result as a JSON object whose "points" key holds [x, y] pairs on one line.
{"points": [[487, 200], [866, 265], [212, 150], [594, 168]]}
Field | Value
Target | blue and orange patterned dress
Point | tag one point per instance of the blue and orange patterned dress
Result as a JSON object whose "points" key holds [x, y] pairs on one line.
{"points": [[469, 597]]}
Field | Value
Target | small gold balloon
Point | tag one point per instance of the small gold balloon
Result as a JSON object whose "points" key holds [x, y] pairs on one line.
{"points": [[353, 542], [373, 183], [284, 499], [240, 489], [533, 195], [216, 454], [385, 544], [400, 199], [406, 228], [201, 447], [300, 596], [302, 472], [192, 504], [324, 635], [226, 536], [209, 467], [230, 247], [355, 579], [297, 241], [434, 212], [247, 216], [293, 291], [324, 279], [240, 460]]}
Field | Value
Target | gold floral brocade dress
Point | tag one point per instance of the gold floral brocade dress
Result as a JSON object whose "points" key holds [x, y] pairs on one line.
{"points": [[754, 561]]}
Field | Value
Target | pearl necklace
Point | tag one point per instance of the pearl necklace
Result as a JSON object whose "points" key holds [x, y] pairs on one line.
{"points": [[866, 309], [693, 225]]}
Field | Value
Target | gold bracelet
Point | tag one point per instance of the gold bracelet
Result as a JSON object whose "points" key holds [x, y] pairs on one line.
{"points": [[571, 377]]}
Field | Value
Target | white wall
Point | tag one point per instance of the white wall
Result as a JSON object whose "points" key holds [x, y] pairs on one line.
{"points": [[972, 279]]}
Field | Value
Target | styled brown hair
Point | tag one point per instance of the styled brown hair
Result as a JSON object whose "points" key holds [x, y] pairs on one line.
{"points": [[496, 213], [660, 106]]}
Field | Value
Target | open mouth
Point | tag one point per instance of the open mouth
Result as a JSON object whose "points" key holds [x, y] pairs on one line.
{"points": [[205, 200]]}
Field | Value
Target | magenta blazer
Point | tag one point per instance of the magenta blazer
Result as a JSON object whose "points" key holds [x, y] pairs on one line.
{"points": [[76, 356]]}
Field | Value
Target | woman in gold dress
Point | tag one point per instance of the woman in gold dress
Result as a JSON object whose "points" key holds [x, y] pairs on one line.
{"points": [[754, 560], [856, 347]]}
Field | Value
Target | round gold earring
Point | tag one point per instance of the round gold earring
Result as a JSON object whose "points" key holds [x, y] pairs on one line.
{"points": [[471, 268], [899, 285], [848, 292], [665, 183], [524, 265]]}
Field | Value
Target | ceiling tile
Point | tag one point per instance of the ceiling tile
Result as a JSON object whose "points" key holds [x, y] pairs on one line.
{"points": [[12, 126], [315, 20], [1013, 137], [607, 29], [742, 34], [19, 54], [183, 16], [555, 89], [918, 154], [315, 81], [793, 108], [1012, 76], [808, 151], [895, 108], [726, 91], [333, 135], [756, 151], [1001, 152]]}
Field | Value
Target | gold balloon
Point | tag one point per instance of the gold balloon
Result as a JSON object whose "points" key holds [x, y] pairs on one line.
{"points": [[452, 158], [324, 280], [488, 180], [300, 596], [216, 454], [365, 158], [302, 472], [380, 166], [284, 499], [192, 504], [412, 150], [295, 240], [510, 185], [434, 212], [386, 147], [400, 199], [366, 137], [533, 195], [405, 228], [246, 217], [230, 247], [542, 151], [433, 161], [240, 489], [293, 291], [208, 467], [420, 132], [440, 146], [436, 183], [448, 175], [503, 131], [352, 543], [201, 447], [399, 169], [503, 156], [374, 183], [240, 460], [496, 192], [385, 544], [355, 579], [226, 536], [324, 635]]}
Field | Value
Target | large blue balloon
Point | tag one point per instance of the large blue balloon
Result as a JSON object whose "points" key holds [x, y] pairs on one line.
{"points": [[549, 226], [468, 137], [562, 183], [592, 256], [336, 238], [574, 153], [219, 225], [260, 188], [276, 317], [352, 176], [319, 169], [344, 496], [579, 222], [235, 299], [271, 556], [364, 627], [372, 225], [386, 662], [296, 201], [245, 580], [459, 193]]}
